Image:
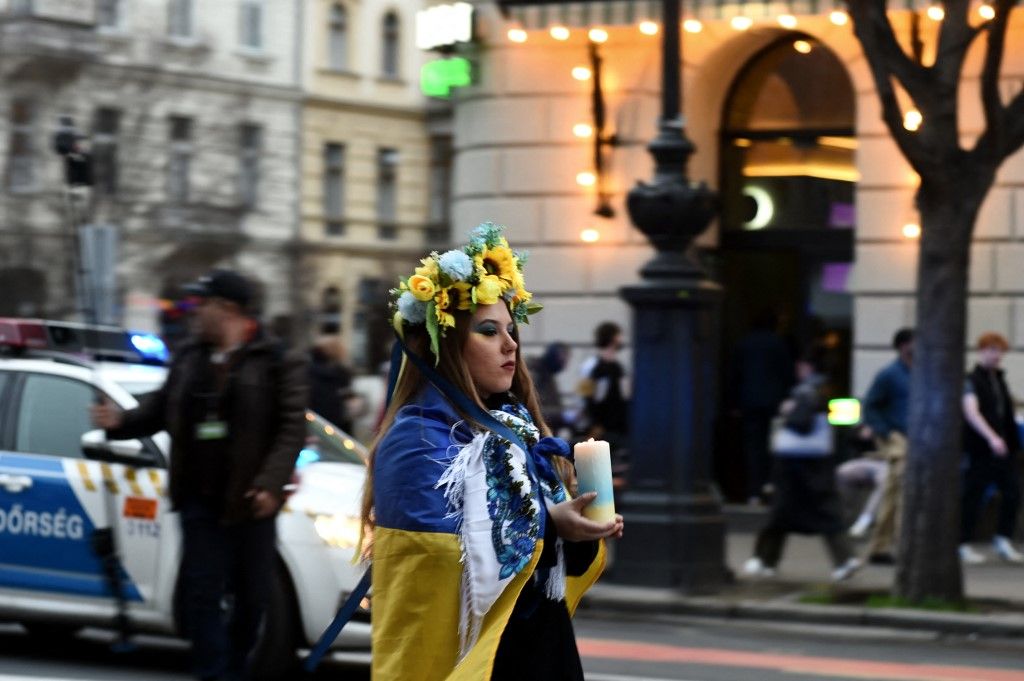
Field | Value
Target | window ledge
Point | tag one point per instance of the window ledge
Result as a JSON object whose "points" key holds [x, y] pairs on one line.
{"points": [[392, 80], [343, 73], [118, 34], [185, 43], [254, 54]]}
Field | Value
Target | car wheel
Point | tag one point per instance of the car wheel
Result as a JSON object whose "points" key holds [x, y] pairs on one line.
{"points": [[275, 656]]}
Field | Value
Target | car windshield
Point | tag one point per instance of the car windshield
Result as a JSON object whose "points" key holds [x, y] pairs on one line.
{"points": [[327, 442]]}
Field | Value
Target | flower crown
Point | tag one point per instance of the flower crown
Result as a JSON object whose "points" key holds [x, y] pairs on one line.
{"points": [[485, 271]]}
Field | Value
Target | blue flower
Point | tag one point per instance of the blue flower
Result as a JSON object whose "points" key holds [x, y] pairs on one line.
{"points": [[486, 234], [413, 311], [456, 265]]}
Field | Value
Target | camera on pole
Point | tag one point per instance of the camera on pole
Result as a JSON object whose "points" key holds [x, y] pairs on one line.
{"points": [[75, 150]]}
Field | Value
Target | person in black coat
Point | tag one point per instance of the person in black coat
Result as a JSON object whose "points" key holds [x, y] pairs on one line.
{"points": [[992, 441], [330, 382]]}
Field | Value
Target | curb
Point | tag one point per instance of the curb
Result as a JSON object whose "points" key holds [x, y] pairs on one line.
{"points": [[641, 601]]}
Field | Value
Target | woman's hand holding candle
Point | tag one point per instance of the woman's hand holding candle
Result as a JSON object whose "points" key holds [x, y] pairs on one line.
{"points": [[572, 525]]}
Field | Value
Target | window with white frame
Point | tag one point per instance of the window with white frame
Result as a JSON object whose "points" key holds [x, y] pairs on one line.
{"points": [[21, 157], [334, 188], [180, 159], [105, 127], [387, 193], [250, 143], [251, 24], [337, 43], [390, 45], [180, 19], [108, 13]]}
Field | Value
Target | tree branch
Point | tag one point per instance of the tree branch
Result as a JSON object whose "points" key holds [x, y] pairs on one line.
{"points": [[995, 116], [1015, 131], [955, 36], [887, 61]]}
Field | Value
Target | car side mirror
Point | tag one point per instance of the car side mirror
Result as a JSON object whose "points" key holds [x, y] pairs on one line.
{"points": [[95, 446]]}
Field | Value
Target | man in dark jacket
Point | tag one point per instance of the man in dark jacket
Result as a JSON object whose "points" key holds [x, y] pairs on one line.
{"points": [[992, 442], [234, 405]]}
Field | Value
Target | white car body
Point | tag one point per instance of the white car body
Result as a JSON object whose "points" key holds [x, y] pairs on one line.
{"points": [[52, 577]]}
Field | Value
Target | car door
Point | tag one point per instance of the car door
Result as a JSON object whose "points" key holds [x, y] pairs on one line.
{"points": [[61, 497]]}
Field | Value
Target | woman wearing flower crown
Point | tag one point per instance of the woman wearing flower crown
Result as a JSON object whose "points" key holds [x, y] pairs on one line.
{"points": [[479, 554]]}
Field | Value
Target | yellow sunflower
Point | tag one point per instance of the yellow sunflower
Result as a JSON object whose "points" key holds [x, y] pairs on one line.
{"points": [[428, 268], [499, 262], [464, 297], [445, 318]]}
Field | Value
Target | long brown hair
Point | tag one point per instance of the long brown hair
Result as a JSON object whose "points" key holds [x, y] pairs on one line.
{"points": [[451, 366]]}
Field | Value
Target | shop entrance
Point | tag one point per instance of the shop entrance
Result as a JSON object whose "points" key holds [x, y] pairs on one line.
{"points": [[786, 243]]}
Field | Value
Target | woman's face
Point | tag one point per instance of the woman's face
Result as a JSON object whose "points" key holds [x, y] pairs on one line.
{"points": [[490, 349]]}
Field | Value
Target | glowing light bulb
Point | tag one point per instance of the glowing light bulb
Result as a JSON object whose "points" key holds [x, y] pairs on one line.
{"points": [[693, 26], [987, 12], [839, 17], [581, 73], [912, 120], [649, 28], [590, 235], [911, 230], [586, 179], [936, 13], [582, 130], [598, 35], [802, 46], [787, 21], [559, 32], [741, 23], [517, 35]]}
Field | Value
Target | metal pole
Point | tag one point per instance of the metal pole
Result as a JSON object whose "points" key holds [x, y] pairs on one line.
{"points": [[670, 60]]}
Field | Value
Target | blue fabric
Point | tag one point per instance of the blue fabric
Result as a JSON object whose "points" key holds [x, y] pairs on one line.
{"points": [[412, 456], [888, 399]]}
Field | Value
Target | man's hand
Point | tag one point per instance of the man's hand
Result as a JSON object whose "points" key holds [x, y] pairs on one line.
{"points": [[572, 525], [264, 504], [106, 415], [998, 445]]}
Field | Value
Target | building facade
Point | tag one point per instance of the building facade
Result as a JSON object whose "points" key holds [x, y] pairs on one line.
{"points": [[818, 219], [192, 112], [374, 168]]}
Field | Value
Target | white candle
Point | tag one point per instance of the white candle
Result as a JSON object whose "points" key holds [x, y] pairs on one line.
{"points": [[594, 474]]}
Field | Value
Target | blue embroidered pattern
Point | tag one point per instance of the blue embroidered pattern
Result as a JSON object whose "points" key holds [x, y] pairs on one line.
{"points": [[515, 521]]}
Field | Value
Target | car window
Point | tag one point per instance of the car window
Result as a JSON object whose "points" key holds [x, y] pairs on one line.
{"points": [[324, 442], [53, 415]]}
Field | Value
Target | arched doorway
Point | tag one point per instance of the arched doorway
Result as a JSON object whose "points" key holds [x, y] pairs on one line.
{"points": [[788, 177]]}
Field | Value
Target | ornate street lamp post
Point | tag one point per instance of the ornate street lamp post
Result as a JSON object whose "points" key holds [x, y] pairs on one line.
{"points": [[675, 530]]}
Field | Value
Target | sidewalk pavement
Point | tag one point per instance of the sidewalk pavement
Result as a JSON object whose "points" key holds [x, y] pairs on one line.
{"points": [[805, 569]]}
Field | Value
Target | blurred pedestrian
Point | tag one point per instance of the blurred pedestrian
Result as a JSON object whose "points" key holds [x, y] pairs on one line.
{"points": [[864, 471], [604, 390], [544, 370], [330, 382], [476, 544], [761, 375], [805, 500], [992, 443], [885, 419], [234, 404]]}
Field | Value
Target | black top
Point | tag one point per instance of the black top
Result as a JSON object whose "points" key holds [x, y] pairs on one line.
{"points": [[996, 406]]}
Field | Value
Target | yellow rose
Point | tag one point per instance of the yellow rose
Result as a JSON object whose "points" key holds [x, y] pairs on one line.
{"points": [[421, 287], [488, 290]]}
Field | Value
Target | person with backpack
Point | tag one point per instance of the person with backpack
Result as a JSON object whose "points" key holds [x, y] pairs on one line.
{"points": [[234, 405]]}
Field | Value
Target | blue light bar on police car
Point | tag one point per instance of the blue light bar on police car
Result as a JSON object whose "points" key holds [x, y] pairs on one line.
{"points": [[150, 346]]}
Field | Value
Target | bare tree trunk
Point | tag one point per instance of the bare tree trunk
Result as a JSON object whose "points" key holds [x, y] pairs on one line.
{"points": [[928, 565]]}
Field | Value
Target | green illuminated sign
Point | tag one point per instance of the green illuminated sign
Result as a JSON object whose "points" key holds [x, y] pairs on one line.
{"points": [[437, 78], [844, 411]]}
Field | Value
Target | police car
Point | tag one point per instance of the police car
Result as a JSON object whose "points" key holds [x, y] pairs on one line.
{"points": [[60, 480]]}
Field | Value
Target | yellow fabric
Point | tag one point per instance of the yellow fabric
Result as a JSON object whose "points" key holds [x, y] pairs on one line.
{"points": [[575, 587], [416, 595]]}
